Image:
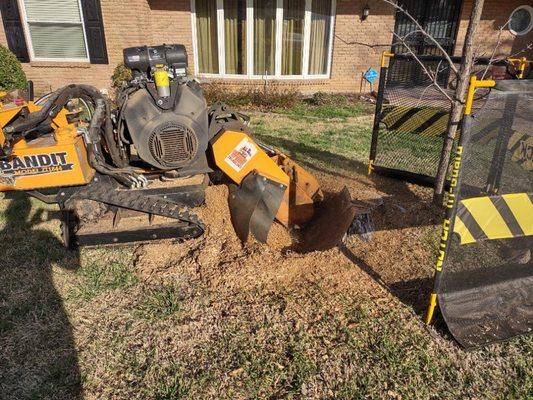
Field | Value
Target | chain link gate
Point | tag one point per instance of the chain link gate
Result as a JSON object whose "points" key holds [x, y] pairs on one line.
{"points": [[411, 115]]}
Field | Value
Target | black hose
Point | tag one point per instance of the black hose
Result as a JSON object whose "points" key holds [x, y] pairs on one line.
{"points": [[110, 139], [55, 103], [97, 121], [100, 125], [126, 176]]}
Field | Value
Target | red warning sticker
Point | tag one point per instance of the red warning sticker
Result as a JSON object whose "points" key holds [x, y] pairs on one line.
{"points": [[241, 154]]}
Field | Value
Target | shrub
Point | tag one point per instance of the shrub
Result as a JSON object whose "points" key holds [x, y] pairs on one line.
{"points": [[276, 97], [11, 74], [121, 75], [215, 92], [267, 99], [330, 99]]}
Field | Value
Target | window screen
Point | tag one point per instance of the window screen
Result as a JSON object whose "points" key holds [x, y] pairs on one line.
{"points": [[56, 29]]}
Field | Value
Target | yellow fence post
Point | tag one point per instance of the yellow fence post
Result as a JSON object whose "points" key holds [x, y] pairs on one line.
{"points": [[522, 64]]}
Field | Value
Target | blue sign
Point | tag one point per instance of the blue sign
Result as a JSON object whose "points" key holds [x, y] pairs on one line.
{"points": [[371, 75]]}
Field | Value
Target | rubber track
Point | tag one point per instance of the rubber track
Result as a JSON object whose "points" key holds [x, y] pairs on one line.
{"points": [[133, 200]]}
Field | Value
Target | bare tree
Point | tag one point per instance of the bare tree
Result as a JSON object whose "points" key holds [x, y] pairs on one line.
{"points": [[457, 108]]}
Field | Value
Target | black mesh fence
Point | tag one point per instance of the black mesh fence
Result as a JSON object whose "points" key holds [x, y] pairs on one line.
{"points": [[485, 288], [412, 115]]}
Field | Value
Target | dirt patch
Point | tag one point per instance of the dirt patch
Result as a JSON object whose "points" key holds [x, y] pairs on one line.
{"points": [[399, 258], [221, 261]]}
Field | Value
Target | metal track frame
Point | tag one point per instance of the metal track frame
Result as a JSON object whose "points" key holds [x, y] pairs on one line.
{"points": [[174, 203]]}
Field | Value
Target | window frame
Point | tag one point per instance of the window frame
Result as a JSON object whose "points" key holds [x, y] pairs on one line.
{"points": [[529, 9], [27, 35], [249, 37]]}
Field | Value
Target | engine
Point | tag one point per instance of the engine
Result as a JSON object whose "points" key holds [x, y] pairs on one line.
{"points": [[162, 111]]}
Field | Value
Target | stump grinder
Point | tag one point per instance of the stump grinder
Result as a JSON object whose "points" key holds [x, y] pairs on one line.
{"points": [[134, 170]]}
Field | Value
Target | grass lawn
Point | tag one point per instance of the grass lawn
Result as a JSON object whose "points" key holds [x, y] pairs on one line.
{"points": [[134, 323]]}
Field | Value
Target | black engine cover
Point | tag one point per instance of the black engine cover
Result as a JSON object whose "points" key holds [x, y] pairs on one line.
{"points": [[175, 138], [143, 58]]}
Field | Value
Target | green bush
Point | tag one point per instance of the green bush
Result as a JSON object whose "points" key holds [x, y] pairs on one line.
{"points": [[121, 75], [254, 97], [11, 74]]}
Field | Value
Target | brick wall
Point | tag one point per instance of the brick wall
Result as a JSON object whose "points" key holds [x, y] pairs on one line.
{"points": [[495, 14], [140, 22], [357, 44], [3, 39]]}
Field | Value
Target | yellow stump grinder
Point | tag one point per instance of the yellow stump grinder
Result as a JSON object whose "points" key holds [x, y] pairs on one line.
{"points": [[135, 171]]}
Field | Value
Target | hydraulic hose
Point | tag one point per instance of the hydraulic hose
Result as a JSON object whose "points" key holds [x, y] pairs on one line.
{"points": [[100, 125], [53, 105], [126, 176]]}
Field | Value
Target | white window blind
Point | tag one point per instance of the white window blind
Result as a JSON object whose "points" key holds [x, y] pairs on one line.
{"points": [[55, 29]]}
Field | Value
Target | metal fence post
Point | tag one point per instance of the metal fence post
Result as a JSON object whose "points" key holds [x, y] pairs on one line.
{"points": [[379, 106]]}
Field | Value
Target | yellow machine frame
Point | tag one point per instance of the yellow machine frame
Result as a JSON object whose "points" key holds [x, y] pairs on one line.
{"points": [[61, 156], [232, 149]]}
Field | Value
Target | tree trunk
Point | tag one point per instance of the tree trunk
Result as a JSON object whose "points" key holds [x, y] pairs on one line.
{"points": [[457, 107]]}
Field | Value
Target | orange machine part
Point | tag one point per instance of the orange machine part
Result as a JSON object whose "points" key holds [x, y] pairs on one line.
{"points": [[298, 204], [236, 154], [55, 160]]}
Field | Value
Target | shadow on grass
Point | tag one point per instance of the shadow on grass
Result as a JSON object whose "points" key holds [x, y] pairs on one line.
{"points": [[413, 293], [394, 214], [38, 358], [303, 153], [396, 191]]}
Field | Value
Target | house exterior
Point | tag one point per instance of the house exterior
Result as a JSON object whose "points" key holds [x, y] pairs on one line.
{"points": [[313, 45]]}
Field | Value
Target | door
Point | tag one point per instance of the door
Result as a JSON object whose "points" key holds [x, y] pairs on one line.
{"points": [[440, 19]]}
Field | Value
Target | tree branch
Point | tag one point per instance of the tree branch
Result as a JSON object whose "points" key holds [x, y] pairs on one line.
{"points": [[424, 32], [372, 46], [528, 46], [492, 56], [428, 72]]}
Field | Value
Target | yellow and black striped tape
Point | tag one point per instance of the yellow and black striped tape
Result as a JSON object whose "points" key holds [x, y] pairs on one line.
{"points": [[494, 217], [424, 121]]}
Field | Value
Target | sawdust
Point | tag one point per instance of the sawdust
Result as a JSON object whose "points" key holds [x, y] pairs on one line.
{"points": [[399, 259], [218, 248], [216, 215], [222, 262]]}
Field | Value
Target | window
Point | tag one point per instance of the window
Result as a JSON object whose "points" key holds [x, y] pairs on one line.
{"points": [[54, 29], [319, 41], [293, 37], [207, 37], [521, 20], [263, 38], [235, 36]]}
